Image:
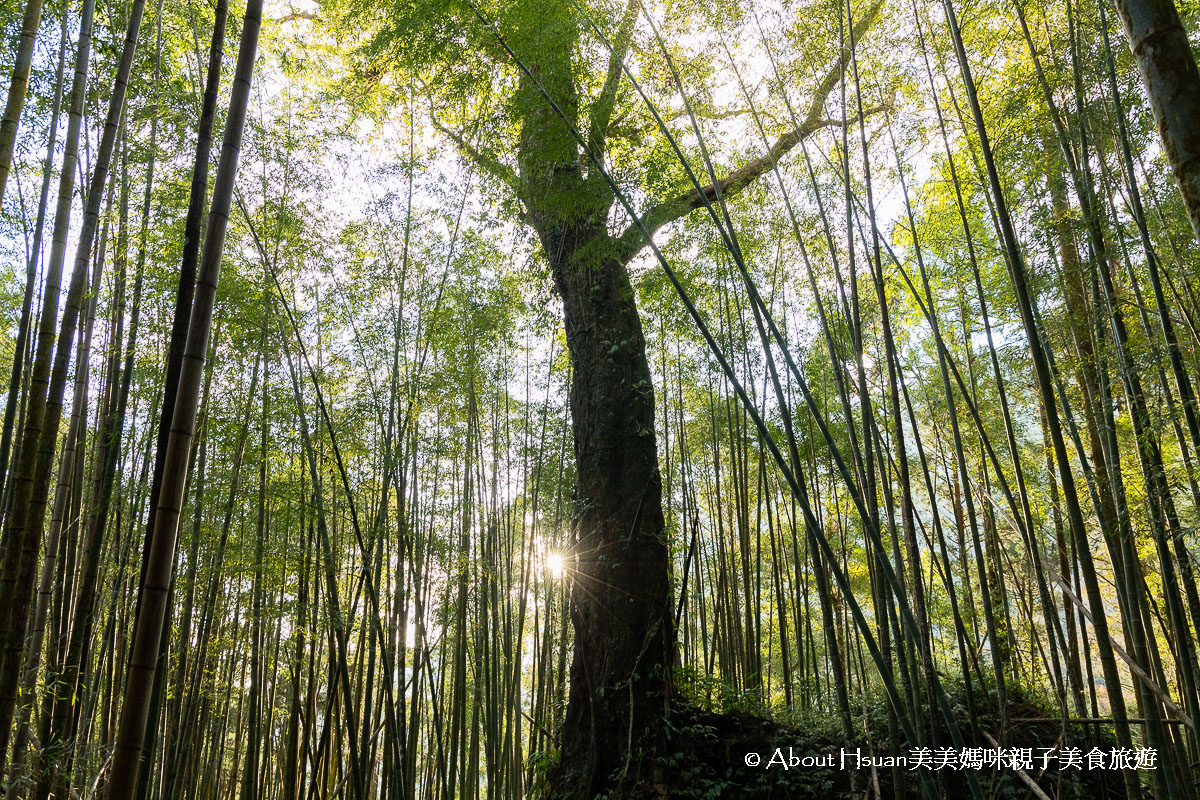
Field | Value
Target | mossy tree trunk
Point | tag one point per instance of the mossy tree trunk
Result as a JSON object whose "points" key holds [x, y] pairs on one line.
{"points": [[621, 596], [624, 638]]}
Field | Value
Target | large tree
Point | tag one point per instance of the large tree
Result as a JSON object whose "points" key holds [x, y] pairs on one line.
{"points": [[540, 58]]}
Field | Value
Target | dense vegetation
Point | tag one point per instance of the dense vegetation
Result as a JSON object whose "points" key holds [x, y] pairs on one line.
{"points": [[566, 398]]}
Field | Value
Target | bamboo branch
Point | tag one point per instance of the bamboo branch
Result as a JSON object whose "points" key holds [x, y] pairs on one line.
{"points": [[1133, 666]]}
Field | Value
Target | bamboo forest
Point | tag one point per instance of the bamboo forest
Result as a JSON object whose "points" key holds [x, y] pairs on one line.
{"points": [[579, 399]]}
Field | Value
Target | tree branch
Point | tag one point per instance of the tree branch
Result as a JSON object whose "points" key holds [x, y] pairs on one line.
{"points": [[602, 108], [635, 134], [666, 212], [497, 169], [293, 16]]}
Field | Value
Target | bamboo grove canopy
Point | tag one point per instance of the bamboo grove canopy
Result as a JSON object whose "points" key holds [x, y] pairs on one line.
{"points": [[599, 398]]}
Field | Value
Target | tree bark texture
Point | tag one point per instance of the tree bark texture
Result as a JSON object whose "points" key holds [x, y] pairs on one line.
{"points": [[1168, 67]]}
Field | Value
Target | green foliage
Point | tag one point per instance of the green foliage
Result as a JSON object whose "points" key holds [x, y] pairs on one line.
{"points": [[403, 192]]}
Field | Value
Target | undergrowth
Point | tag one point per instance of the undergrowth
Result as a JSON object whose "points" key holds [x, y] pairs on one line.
{"points": [[714, 730]]}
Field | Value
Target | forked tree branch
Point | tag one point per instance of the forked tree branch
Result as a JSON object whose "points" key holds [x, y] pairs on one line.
{"points": [[668, 211], [602, 108]]}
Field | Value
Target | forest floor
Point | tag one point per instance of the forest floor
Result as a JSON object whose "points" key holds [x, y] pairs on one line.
{"points": [[740, 753]]}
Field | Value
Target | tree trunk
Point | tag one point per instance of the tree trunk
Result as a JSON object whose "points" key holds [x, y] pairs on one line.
{"points": [[19, 84], [20, 538], [35, 250], [620, 592], [155, 585], [624, 639], [1164, 57]]}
